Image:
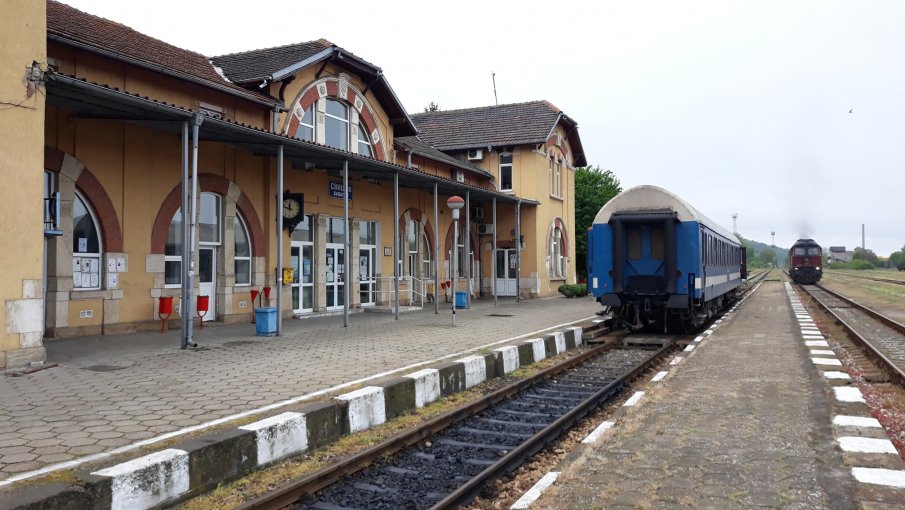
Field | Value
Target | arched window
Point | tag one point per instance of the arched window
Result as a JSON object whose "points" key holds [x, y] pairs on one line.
{"points": [[557, 261], [86, 247], [242, 252], [306, 125], [418, 262], [461, 259], [337, 124], [364, 142]]}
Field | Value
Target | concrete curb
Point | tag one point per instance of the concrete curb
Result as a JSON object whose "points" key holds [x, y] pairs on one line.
{"points": [[199, 464]]}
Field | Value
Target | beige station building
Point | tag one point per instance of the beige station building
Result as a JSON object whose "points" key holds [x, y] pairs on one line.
{"points": [[120, 123]]}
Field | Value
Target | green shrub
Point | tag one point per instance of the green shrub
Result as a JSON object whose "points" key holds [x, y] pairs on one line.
{"points": [[860, 264], [576, 290]]}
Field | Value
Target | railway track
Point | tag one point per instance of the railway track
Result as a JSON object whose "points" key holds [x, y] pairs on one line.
{"points": [[445, 462], [873, 278], [883, 338]]}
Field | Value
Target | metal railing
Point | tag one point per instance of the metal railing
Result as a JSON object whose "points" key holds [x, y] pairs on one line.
{"points": [[412, 291]]}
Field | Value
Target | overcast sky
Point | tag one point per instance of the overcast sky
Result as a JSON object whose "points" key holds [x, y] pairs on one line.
{"points": [[789, 113]]}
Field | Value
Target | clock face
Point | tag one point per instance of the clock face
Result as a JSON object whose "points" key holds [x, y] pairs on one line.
{"points": [[291, 208]]}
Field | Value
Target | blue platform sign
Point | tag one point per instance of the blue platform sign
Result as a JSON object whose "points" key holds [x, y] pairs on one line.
{"points": [[336, 190]]}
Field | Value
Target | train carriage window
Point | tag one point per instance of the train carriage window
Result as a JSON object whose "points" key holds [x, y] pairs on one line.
{"points": [[657, 244], [634, 243]]}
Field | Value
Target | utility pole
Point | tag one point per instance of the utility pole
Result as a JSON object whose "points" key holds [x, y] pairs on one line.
{"points": [[773, 238], [734, 229]]}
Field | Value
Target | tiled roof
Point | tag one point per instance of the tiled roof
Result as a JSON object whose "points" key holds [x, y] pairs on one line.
{"points": [[259, 64], [508, 124], [426, 151], [73, 26]]}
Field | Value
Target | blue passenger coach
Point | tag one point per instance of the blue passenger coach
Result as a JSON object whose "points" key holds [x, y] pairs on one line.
{"points": [[653, 257]]}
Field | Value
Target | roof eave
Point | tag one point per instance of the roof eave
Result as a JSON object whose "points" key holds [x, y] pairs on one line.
{"points": [[159, 68]]}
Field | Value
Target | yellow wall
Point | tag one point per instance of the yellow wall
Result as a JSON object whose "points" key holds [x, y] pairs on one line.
{"points": [[22, 41]]}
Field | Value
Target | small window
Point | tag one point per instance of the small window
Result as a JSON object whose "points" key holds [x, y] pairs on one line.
{"points": [[558, 178], [557, 260], [336, 232], [799, 251], [367, 233], [302, 231], [634, 243], [505, 172], [242, 252], [813, 251], [173, 251], [657, 244], [209, 219]]}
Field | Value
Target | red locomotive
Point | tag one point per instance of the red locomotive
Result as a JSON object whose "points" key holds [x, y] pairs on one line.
{"points": [[805, 261]]}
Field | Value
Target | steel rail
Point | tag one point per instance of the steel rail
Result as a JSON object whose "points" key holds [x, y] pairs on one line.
{"points": [[292, 492], [898, 326], [517, 457], [874, 278], [872, 350]]}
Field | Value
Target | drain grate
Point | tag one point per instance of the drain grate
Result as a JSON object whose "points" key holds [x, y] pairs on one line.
{"points": [[103, 368], [500, 315]]}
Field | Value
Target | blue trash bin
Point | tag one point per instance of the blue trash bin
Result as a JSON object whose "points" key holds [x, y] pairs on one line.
{"points": [[461, 299], [266, 321]]}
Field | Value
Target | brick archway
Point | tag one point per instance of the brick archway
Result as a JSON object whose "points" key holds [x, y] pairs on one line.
{"points": [[93, 192], [330, 87], [213, 184]]}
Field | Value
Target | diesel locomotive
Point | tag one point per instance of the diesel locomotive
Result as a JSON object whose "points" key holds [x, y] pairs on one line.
{"points": [[653, 257], [805, 261]]}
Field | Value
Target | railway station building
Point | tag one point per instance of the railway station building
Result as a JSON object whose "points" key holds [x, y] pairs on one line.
{"points": [[121, 123]]}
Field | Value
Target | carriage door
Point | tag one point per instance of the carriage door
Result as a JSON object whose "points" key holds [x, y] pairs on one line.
{"points": [[505, 272], [645, 259]]}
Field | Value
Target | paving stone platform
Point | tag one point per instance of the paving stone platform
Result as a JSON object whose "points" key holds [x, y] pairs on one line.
{"points": [[114, 392], [744, 421]]}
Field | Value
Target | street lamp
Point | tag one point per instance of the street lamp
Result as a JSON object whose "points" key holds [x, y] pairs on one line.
{"points": [[455, 203]]}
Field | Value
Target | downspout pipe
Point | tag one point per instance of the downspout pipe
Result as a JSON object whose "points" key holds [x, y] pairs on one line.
{"points": [[436, 253], [518, 250], [346, 244], [186, 292], [396, 258], [280, 226]]}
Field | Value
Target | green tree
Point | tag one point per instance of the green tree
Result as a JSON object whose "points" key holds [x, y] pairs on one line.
{"points": [[767, 258], [432, 107], [867, 256], [897, 259], [594, 187]]}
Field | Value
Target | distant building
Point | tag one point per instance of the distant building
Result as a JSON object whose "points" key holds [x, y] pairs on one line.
{"points": [[838, 254]]}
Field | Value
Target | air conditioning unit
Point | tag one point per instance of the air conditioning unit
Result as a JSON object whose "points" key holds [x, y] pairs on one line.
{"points": [[485, 229], [477, 213], [475, 154], [460, 176]]}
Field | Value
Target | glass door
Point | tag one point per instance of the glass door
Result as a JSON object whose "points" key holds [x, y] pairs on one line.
{"points": [[207, 280], [336, 276], [303, 282], [367, 282], [505, 272]]}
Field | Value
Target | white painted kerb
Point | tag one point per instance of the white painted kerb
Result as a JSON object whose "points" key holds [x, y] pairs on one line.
{"points": [[148, 481], [427, 385], [279, 436]]}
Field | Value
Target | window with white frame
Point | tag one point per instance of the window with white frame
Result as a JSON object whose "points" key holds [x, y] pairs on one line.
{"points": [[306, 125], [506, 172], [86, 247], [552, 186], [364, 142], [557, 261], [208, 233], [242, 252], [336, 124], [461, 259], [557, 178], [418, 263]]}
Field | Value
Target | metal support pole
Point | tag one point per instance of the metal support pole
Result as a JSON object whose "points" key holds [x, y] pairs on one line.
{"points": [[436, 252], [454, 257], [346, 245], [186, 294], [518, 250], [493, 258], [396, 259], [188, 307], [279, 211], [468, 259]]}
